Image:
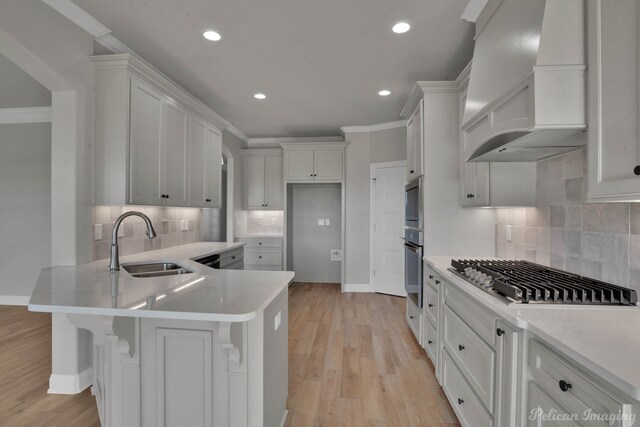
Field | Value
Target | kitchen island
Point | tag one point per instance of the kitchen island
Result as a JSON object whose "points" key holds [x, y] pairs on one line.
{"points": [[201, 348]]}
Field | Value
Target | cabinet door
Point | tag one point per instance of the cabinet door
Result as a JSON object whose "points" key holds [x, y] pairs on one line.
{"points": [[328, 165], [254, 172], [197, 139], [613, 93], [213, 168], [481, 190], [507, 368], [174, 154], [411, 164], [274, 182], [418, 141], [540, 405], [146, 129], [468, 183], [299, 165]]}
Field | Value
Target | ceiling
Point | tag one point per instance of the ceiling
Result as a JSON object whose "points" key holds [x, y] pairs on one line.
{"points": [[18, 89], [320, 63]]}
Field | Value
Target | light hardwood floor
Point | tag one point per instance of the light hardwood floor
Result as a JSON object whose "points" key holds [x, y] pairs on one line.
{"points": [[352, 362]]}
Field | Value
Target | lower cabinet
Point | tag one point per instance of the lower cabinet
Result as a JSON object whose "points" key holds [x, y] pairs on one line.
{"points": [[263, 253], [232, 259], [414, 319]]}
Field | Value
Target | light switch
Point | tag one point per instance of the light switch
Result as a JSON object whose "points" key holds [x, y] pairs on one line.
{"points": [[327, 222], [277, 321], [321, 222], [97, 231], [509, 234]]}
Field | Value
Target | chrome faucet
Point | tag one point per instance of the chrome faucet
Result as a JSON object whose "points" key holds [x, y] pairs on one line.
{"points": [[114, 264]]}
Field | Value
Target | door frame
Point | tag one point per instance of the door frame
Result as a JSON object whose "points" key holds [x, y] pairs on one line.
{"points": [[374, 167]]}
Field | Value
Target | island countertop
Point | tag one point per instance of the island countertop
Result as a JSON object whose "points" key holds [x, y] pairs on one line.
{"points": [[206, 294]]}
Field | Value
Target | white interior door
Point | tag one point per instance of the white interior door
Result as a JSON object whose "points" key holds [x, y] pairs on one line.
{"points": [[388, 227]]}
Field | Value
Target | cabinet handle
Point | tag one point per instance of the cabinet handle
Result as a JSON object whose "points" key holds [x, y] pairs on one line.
{"points": [[411, 317], [473, 196], [460, 347], [460, 401], [430, 277], [412, 171], [311, 175], [260, 256], [564, 386], [429, 342], [430, 305], [500, 332], [233, 257], [260, 243], [636, 170]]}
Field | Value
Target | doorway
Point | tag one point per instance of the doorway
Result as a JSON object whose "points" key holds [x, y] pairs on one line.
{"points": [[387, 228]]}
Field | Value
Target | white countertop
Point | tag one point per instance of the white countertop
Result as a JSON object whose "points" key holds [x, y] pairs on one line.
{"points": [[207, 294], [605, 340]]}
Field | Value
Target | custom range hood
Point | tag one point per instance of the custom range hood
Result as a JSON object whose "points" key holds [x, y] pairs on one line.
{"points": [[526, 96]]}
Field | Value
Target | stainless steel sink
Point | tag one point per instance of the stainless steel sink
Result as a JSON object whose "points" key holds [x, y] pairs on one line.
{"points": [[155, 269]]}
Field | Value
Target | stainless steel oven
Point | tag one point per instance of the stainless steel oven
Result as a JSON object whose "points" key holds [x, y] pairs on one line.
{"points": [[413, 265], [413, 205]]}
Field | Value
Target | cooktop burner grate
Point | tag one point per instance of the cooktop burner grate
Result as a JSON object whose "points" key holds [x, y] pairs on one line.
{"points": [[524, 281]]}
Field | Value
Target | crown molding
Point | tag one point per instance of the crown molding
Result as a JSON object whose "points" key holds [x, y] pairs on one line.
{"points": [[317, 144], [422, 88], [25, 115], [75, 14], [374, 128], [463, 79], [276, 142], [473, 10], [237, 132]]}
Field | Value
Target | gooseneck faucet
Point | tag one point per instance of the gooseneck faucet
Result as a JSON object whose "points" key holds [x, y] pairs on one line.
{"points": [[114, 264]]}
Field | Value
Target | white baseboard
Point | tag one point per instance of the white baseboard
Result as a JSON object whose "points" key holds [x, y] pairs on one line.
{"points": [[70, 384], [13, 300], [357, 287]]}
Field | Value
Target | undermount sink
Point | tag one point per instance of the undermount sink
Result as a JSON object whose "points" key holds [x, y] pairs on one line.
{"points": [[155, 269]]}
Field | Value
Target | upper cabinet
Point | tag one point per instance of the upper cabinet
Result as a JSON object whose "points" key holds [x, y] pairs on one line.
{"points": [[263, 179], [313, 162], [415, 143], [614, 96], [205, 164], [154, 143]]}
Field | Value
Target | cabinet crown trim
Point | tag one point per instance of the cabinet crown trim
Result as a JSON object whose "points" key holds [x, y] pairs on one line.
{"points": [[423, 87], [312, 146], [151, 76], [262, 152]]}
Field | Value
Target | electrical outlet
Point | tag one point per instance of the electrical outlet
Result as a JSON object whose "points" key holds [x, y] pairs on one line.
{"points": [[327, 222], [321, 222], [509, 237], [336, 255], [97, 231], [277, 321]]}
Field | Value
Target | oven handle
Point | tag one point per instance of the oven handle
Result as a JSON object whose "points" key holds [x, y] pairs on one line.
{"points": [[413, 248]]}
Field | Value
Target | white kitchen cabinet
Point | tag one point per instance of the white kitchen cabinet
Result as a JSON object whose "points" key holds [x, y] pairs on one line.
{"points": [[313, 162], [613, 109], [145, 128], [263, 253], [205, 164], [508, 396], [263, 179], [415, 143]]}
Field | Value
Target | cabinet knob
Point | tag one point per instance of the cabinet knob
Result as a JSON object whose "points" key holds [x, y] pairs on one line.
{"points": [[473, 196], [460, 401], [460, 347], [430, 277], [260, 243], [564, 386], [429, 342], [430, 305], [411, 317], [437, 282], [412, 171], [636, 170], [500, 332], [260, 256], [311, 175], [468, 196], [233, 257]]}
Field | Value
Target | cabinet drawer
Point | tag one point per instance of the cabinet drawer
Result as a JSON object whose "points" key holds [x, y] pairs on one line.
{"points": [[264, 257], [549, 369], [540, 403], [266, 243], [431, 305], [431, 277], [414, 319], [431, 341], [465, 403], [481, 320], [234, 258], [236, 265], [231, 253], [474, 357]]}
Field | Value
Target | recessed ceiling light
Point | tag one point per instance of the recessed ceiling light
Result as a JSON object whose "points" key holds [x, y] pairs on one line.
{"points": [[259, 96], [401, 27], [384, 92], [214, 36]]}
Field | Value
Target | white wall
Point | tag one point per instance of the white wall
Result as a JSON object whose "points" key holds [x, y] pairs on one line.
{"points": [[25, 207], [312, 244], [18, 89]]}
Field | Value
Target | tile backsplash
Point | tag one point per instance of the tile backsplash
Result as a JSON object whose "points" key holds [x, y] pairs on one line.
{"points": [[263, 223], [563, 231], [166, 222]]}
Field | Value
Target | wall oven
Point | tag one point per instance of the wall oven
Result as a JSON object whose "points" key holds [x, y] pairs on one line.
{"points": [[413, 217], [413, 241]]}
